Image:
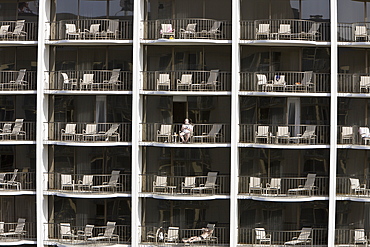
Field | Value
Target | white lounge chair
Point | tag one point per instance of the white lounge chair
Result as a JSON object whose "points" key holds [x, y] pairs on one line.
{"points": [[71, 31], [19, 82], [6, 131], [263, 30], [12, 183], [308, 187], [90, 132], [364, 84], [360, 237], [347, 134], [302, 239], [17, 132], [93, 31], [164, 133], [262, 82], [67, 182], [189, 32], [188, 184], [113, 29], [364, 134], [160, 184], [255, 185], [18, 30], [86, 233], [86, 183], [112, 133], [108, 234], [185, 82], [212, 135], [282, 134], [163, 81], [4, 31], [312, 34], [262, 133], [214, 32], [357, 188], [111, 184], [308, 135], [66, 232], [18, 231], [68, 83], [113, 82], [167, 30], [361, 33], [87, 81], [211, 83], [172, 235], [306, 83], [284, 31], [274, 186], [261, 236], [69, 133], [209, 185]]}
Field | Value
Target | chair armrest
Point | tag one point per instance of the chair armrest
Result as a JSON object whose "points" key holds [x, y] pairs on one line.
{"points": [[300, 186], [105, 183], [294, 238], [268, 185], [363, 186], [201, 185], [182, 30], [178, 81], [299, 135], [101, 234], [86, 30], [80, 232]]}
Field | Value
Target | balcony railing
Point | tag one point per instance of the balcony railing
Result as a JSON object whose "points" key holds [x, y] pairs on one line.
{"points": [[317, 237], [287, 82], [284, 187], [14, 81], [90, 80], [28, 233], [354, 83], [284, 134], [24, 181], [285, 29], [354, 32], [202, 133], [353, 135], [18, 30], [187, 29], [88, 184], [8, 131], [353, 186], [76, 235], [220, 236], [91, 29], [91, 132], [212, 81], [176, 185]]}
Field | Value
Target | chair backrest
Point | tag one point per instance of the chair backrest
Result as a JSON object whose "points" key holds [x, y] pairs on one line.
{"points": [[18, 124], [70, 128], [109, 229], [173, 232], [261, 79], [186, 79], [264, 28], [211, 179], [310, 131], [18, 27], [115, 75], [189, 181], [113, 25], [359, 234], [88, 230], [364, 131], [347, 130], [314, 28], [279, 79], [87, 179], [14, 175], [70, 28], [21, 74], [282, 131], [355, 183], [260, 233], [94, 28], [114, 178], [254, 182], [2, 227], [191, 27], [215, 27], [7, 128], [212, 79], [305, 234], [112, 129], [364, 81], [215, 129], [360, 30], [284, 28], [20, 225], [307, 77], [65, 78], [2, 177], [263, 130], [88, 78], [4, 29], [167, 28], [90, 129], [310, 181], [275, 183], [66, 179], [161, 181], [164, 78], [65, 228], [166, 129]]}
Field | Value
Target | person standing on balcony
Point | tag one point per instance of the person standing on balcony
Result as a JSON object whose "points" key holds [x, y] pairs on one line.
{"points": [[186, 131]]}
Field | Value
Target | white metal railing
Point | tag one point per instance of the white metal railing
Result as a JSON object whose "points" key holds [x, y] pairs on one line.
{"points": [[77, 236], [91, 29], [27, 32], [353, 186], [179, 29], [353, 83], [13, 81], [89, 80], [317, 237], [176, 185], [170, 133], [10, 235], [347, 237], [285, 81], [26, 133], [200, 81], [354, 32], [219, 236], [285, 29], [89, 132], [88, 183], [288, 135], [281, 186], [24, 181]]}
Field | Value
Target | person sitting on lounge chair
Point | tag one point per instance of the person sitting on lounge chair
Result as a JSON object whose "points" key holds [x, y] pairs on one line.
{"points": [[186, 131], [206, 233]]}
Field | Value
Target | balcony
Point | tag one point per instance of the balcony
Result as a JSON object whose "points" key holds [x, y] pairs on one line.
{"points": [[17, 183], [353, 32], [289, 135], [253, 237], [351, 237], [17, 131], [285, 29], [66, 234], [97, 185], [354, 83], [180, 29], [17, 81], [353, 187], [89, 133], [185, 187], [219, 236], [90, 80], [285, 82], [353, 135], [91, 29], [194, 81], [18, 233], [18, 31], [285, 187], [170, 133]]}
